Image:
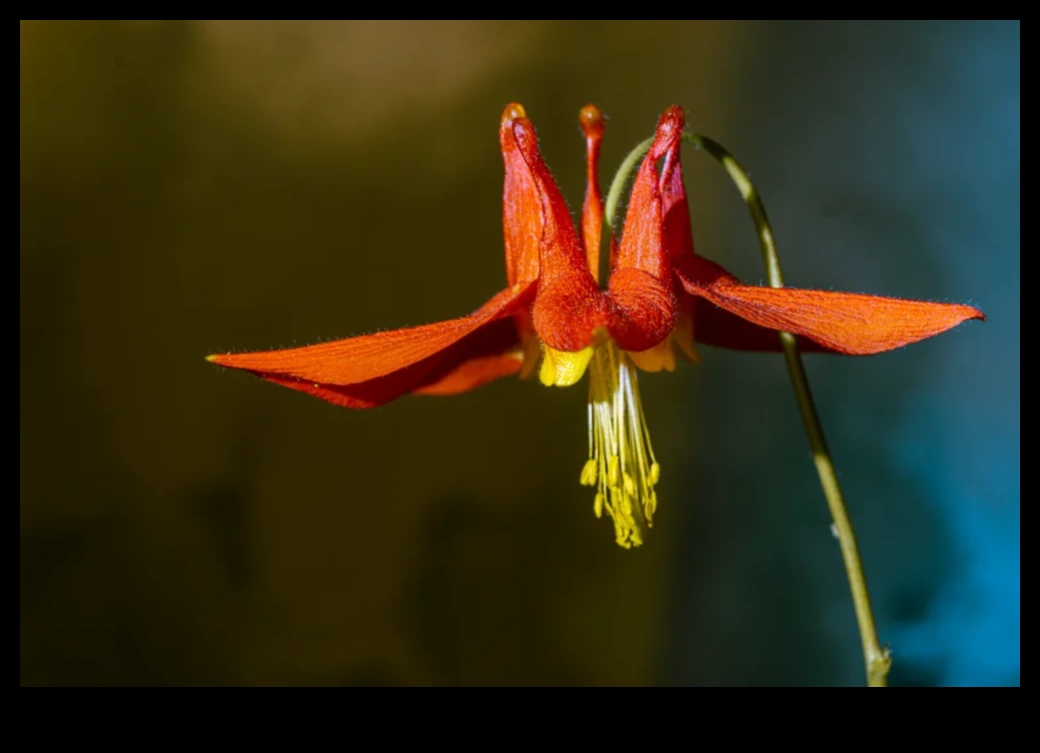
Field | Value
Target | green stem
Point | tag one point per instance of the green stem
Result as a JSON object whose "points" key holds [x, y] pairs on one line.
{"points": [[877, 659]]}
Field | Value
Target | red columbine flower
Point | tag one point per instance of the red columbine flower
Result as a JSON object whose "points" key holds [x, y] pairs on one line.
{"points": [[660, 296]]}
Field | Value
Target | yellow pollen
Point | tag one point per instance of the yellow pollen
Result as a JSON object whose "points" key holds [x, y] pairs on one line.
{"points": [[588, 473], [621, 461]]}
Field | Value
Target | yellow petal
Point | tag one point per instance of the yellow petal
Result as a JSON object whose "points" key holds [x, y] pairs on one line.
{"points": [[564, 369]]}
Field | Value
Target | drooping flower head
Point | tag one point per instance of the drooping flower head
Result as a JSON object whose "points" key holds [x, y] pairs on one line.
{"points": [[557, 319]]}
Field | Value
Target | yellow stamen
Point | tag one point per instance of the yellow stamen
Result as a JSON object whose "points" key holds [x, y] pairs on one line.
{"points": [[621, 460], [588, 473]]}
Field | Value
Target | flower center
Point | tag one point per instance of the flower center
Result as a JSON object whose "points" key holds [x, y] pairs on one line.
{"points": [[621, 461]]}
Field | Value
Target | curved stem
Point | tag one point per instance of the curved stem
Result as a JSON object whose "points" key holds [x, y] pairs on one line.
{"points": [[878, 660]]}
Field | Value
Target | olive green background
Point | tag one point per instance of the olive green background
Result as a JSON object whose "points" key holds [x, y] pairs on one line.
{"points": [[189, 188]]}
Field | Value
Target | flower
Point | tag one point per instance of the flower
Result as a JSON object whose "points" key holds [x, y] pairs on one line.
{"points": [[660, 297]]}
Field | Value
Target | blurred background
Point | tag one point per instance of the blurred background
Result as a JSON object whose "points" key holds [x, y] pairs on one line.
{"points": [[190, 188]]}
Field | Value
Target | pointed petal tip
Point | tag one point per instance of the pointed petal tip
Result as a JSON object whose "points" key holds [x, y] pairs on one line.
{"points": [[526, 140], [513, 111], [668, 133], [958, 313], [672, 121]]}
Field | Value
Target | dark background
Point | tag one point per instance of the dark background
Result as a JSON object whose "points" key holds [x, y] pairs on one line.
{"points": [[189, 188]]}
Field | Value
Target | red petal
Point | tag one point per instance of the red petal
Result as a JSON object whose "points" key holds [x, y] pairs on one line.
{"points": [[360, 372], [569, 304], [847, 323], [521, 205], [715, 326], [560, 251], [642, 242], [678, 236], [474, 373], [642, 309], [459, 368]]}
